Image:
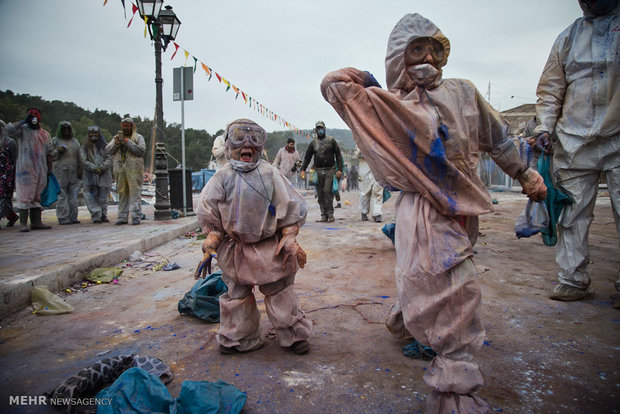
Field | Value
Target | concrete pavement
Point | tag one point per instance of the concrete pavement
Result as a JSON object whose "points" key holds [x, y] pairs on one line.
{"points": [[63, 255]]}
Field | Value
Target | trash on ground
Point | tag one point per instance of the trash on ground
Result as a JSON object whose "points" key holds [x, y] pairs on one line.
{"points": [[103, 275], [45, 302], [171, 266], [203, 300], [136, 256]]}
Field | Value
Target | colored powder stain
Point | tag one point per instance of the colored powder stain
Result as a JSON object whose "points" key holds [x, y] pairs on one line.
{"points": [[236, 375], [174, 334], [332, 228], [414, 147], [201, 349], [137, 331], [384, 297], [387, 370], [291, 390], [487, 343]]}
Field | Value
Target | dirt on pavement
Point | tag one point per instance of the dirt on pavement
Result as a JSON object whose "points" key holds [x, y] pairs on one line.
{"points": [[540, 356]]}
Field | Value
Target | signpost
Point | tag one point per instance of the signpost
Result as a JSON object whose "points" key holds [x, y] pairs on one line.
{"points": [[183, 90]]}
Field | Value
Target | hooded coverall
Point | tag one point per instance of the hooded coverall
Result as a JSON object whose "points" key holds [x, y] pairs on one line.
{"points": [[66, 169], [96, 186], [285, 161], [579, 98], [371, 192], [236, 204], [129, 172], [402, 134], [33, 147], [219, 151]]}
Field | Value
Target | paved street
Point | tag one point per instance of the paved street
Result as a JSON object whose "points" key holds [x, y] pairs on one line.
{"points": [[540, 356]]}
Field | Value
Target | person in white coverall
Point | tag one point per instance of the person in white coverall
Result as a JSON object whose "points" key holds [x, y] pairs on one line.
{"points": [[579, 98], [127, 148], [251, 215], [219, 152], [68, 170], [423, 136], [371, 192], [288, 161]]}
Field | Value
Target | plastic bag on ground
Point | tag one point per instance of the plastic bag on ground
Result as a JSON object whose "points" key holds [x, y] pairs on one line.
{"points": [[47, 303], [104, 274], [203, 299]]}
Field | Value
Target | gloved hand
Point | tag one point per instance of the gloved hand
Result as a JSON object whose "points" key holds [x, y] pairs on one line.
{"points": [[28, 119], [302, 174], [292, 249], [98, 171], [209, 247], [543, 142], [533, 185], [338, 175], [62, 149]]}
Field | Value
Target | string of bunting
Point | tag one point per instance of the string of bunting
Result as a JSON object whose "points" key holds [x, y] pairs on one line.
{"points": [[209, 72]]}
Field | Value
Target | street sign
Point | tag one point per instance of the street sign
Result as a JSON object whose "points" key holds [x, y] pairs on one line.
{"points": [[187, 83]]}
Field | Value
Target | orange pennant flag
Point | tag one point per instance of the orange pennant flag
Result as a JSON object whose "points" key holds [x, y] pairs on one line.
{"points": [[105, 2]]}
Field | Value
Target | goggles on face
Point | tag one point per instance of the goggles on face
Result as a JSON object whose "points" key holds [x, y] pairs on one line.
{"points": [[238, 135], [419, 49]]}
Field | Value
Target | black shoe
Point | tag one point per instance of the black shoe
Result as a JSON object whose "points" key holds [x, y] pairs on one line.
{"points": [[338, 205], [105, 220], [97, 221], [119, 222], [135, 221], [299, 347], [378, 219], [224, 350], [364, 217], [76, 221], [11, 223], [323, 219], [331, 219]]}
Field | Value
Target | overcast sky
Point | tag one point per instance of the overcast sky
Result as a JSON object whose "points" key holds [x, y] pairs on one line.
{"points": [[277, 51]]}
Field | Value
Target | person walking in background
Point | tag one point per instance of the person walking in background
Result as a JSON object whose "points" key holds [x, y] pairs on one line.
{"points": [[34, 161], [288, 161], [327, 158], [67, 169], [371, 192], [8, 157], [97, 176], [127, 148], [219, 151]]}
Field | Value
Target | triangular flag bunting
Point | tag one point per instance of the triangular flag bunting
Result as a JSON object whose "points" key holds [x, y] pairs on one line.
{"points": [[195, 61], [145, 24], [219, 78], [186, 56], [176, 49], [134, 8]]}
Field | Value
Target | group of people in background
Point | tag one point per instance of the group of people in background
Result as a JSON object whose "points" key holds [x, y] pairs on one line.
{"points": [[29, 157]]}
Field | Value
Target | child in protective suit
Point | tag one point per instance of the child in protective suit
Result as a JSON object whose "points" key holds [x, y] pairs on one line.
{"points": [[423, 136], [251, 215]]}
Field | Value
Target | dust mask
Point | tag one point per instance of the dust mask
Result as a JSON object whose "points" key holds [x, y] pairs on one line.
{"points": [[424, 74]]}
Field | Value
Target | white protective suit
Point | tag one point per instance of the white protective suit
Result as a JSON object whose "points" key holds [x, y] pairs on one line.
{"points": [[285, 161], [128, 167], [33, 147], [371, 192], [219, 151], [579, 98], [67, 168], [235, 203], [401, 135]]}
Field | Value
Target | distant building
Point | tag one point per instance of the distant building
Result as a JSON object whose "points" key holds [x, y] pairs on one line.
{"points": [[517, 117]]}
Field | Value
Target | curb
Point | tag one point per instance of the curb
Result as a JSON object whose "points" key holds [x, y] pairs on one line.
{"points": [[16, 292]]}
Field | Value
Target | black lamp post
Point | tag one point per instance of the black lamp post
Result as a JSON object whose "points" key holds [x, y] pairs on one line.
{"points": [[164, 26]]}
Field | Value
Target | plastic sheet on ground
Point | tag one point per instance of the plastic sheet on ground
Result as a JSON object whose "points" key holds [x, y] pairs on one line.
{"points": [[104, 274], [137, 391], [45, 302], [203, 299]]}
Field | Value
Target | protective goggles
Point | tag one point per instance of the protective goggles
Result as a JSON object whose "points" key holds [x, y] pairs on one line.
{"points": [[238, 135], [420, 48]]}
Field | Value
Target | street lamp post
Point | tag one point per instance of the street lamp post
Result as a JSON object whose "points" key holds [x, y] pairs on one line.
{"points": [[163, 28]]}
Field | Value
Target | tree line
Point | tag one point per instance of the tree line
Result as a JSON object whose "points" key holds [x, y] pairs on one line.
{"points": [[198, 142]]}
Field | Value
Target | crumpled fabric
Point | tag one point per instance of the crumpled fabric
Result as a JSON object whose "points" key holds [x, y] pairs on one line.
{"points": [[426, 142], [555, 201], [202, 300], [33, 147], [138, 391]]}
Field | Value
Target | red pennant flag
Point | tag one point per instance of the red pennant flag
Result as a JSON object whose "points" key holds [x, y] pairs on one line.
{"points": [[176, 49], [134, 9], [219, 78]]}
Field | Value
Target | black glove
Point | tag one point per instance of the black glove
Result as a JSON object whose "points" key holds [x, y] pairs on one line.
{"points": [[294, 168], [28, 119]]}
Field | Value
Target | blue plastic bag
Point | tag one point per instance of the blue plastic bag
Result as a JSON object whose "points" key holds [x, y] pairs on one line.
{"points": [[335, 185], [533, 220], [50, 194]]}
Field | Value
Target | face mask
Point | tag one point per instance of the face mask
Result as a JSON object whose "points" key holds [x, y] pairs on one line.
{"points": [[320, 132], [34, 121], [93, 138], [423, 75]]}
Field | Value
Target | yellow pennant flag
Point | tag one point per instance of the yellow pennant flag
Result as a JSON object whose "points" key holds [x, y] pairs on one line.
{"points": [[186, 56], [145, 25]]}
